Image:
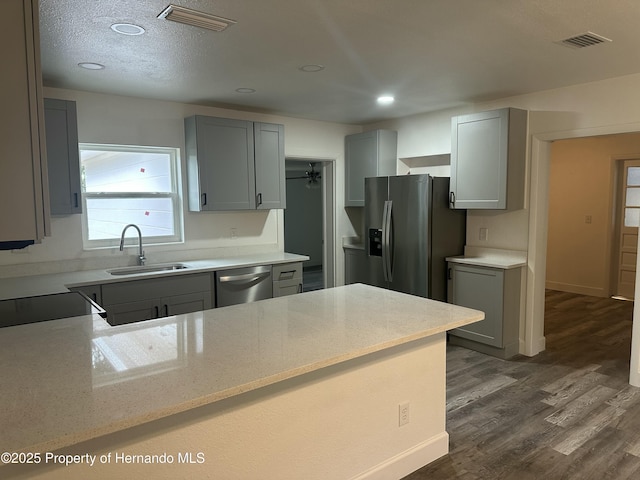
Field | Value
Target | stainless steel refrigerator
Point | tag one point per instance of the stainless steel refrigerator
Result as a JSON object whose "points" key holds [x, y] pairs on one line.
{"points": [[411, 230]]}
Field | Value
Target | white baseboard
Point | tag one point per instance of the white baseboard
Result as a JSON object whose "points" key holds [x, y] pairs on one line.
{"points": [[408, 461], [579, 289]]}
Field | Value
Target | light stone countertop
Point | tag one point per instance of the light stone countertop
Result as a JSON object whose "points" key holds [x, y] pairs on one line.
{"points": [[70, 380], [491, 257], [27, 286]]}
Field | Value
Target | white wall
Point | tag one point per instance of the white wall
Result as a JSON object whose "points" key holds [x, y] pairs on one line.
{"points": [[135, 121]]}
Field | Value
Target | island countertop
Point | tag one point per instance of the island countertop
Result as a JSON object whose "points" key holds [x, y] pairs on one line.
{"points": [[70, 380]]}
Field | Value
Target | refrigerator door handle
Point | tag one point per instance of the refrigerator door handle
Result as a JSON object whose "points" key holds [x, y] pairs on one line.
{"points": [[387, 247]]}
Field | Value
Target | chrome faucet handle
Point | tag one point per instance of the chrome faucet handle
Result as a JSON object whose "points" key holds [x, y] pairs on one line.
{"points": [[141, 259]]}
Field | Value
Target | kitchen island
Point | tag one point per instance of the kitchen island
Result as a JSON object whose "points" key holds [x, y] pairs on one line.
{"points": [[346, 382]]}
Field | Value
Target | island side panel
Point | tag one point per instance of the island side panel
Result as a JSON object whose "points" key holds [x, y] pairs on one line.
{"points": [[338, 422]]}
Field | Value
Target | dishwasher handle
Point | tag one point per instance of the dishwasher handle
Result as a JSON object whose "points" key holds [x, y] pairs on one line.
{"points": [[244, 278]]}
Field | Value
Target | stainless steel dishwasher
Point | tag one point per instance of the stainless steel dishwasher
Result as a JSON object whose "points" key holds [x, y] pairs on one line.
{"points": [[243, 285]]}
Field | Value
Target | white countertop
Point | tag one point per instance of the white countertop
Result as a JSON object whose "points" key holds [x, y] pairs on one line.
{"points": [[14, 287], [491, 257], [70, 380]]}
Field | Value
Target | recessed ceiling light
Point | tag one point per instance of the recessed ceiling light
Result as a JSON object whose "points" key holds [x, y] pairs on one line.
{"points": [[245, 90], [386, 100], [91, 66], [312, 68], [127, 29]]}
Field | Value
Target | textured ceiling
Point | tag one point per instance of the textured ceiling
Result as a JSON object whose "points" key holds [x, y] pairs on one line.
{"points": [[430, 54]]}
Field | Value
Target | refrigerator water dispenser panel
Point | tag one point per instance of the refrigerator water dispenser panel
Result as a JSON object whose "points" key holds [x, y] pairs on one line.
{"points": [[375, 242]]}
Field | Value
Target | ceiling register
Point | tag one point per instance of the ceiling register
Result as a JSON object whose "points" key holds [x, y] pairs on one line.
{"points": [[195, 18]]}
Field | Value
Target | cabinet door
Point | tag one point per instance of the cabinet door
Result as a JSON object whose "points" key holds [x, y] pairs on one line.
{"points": [[220, 164], [481, 289], [92, 291], [130, 312], [269, 165], [24, 196], [479, 160], [63, 158], [355, 266], [368, 154], [360, 163], [179, 304]]}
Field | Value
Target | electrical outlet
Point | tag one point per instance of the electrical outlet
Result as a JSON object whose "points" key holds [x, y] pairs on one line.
{"points": [[484, 234], [234, 233], [587, 219], [403, 414]]}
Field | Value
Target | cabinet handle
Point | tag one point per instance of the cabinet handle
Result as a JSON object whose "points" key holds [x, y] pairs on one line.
{"points": [[166, 310], [75, 200], [300, 288], [203, 198], [157, 312], [259, 201], [452, 198], [449, 274]]}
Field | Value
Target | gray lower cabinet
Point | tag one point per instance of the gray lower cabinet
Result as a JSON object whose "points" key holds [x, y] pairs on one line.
{"points": [[63, 156], [488, 151], [494, 291], [94, 292], [287, 279], [136, 300], [355, 266], [234, 164], [367, 154]]}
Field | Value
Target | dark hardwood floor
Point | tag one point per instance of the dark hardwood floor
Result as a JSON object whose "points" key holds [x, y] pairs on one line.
{"points": [[567, 413]]}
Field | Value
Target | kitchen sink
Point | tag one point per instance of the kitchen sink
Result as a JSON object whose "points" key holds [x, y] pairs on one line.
{"points": [[161, 267]]}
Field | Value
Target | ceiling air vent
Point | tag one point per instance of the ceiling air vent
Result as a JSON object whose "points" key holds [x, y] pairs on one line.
{"points": [[584, 40], [195, 18]]}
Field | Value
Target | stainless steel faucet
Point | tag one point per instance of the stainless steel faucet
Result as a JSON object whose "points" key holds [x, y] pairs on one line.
{"points": [[141, 257]]}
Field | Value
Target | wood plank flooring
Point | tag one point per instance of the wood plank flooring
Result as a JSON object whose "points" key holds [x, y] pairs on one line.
{"points": [[568, 413]]}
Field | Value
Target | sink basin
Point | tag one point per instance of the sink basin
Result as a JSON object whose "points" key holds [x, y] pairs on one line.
{"points": [[161, 267]]}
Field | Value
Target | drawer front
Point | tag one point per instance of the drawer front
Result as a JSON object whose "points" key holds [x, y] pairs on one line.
{"points": [[287, 271], [287, 287], [135, 290]]}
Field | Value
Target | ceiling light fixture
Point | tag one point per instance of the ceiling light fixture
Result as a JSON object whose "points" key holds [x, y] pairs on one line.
{"points": [[245, 90], [195, 18], [386, 100], [127, 29], [91, 66], [311, 68]]}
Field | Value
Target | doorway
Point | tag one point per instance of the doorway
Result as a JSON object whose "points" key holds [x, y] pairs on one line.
{"points": [[309, 218], [534, 340]]}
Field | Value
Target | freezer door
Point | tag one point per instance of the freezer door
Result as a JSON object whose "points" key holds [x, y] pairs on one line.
{"points": [[375, 196], [410, 196]]}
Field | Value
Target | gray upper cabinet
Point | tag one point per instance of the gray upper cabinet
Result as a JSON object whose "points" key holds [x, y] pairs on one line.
{"points": [[24, 196], [368, 154], [269, 164], [62, 156], [234, 164], [488, 152]]}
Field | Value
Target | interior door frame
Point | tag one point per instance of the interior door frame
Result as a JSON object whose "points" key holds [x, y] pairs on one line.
{"points": [[328, 174], [532, 336]]}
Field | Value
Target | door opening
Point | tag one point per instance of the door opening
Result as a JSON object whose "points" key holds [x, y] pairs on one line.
{"points": [[309, 219]]}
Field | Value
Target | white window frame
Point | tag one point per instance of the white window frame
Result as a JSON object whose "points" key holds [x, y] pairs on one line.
{"points": [[175, 195]]}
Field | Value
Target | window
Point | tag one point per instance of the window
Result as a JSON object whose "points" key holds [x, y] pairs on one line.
{"points": [[632, 197], [130, 184]]}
